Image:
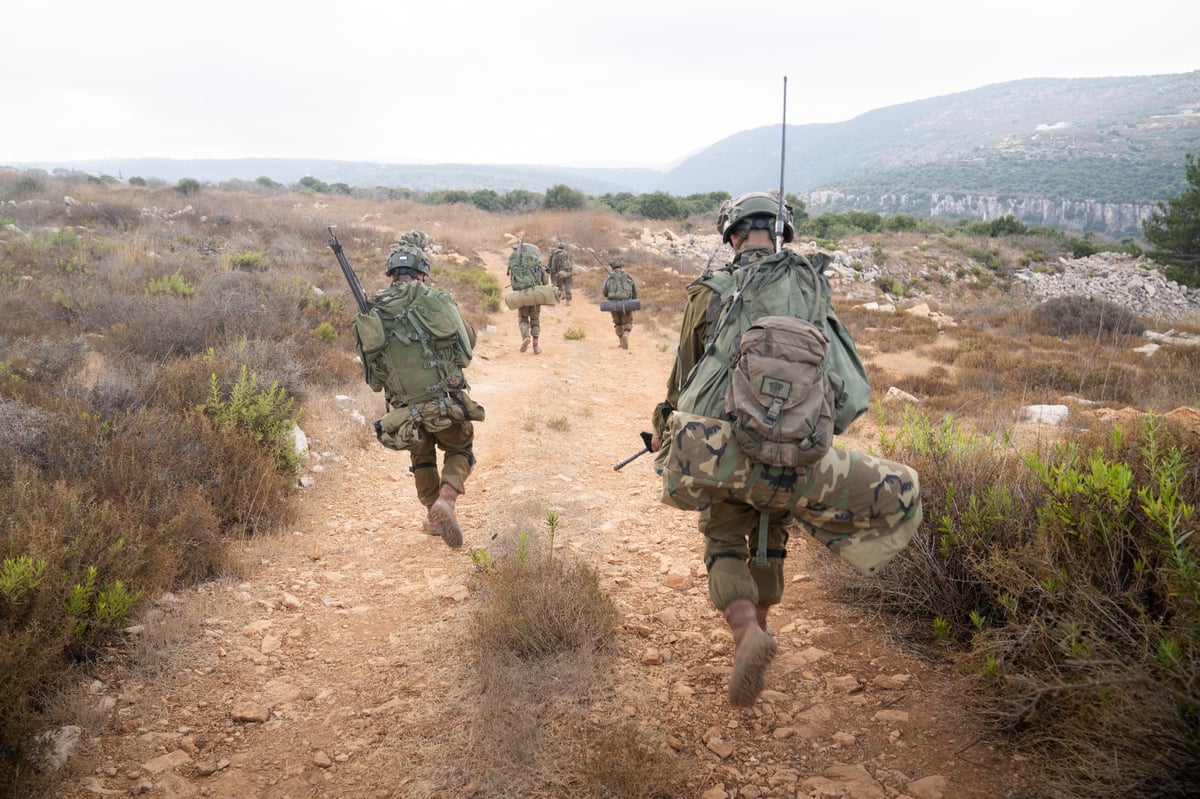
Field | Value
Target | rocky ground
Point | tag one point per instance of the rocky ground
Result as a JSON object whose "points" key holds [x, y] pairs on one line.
{"points": [[338, 665]]}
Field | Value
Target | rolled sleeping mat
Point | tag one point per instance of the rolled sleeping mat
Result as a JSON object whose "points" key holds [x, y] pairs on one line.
{"points": [[538, 295], [608, 306]]}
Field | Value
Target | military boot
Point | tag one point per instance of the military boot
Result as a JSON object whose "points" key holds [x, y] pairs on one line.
{"points": [[428, 525], [442, 518], [624, 341], [760, 613], [536, 349], [753, 652], [524, 343]]}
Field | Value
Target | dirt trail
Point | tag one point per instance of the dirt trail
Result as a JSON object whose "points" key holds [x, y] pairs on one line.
{"points": [[336, 668]]}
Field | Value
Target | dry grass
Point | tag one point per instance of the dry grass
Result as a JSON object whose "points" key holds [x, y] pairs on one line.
{"points": [[541, 639]]}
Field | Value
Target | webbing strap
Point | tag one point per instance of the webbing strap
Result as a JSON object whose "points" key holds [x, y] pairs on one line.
{"points": [[760, 557]]}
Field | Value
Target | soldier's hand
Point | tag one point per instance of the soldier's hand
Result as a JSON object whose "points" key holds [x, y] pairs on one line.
{"points": [[655, 443]]}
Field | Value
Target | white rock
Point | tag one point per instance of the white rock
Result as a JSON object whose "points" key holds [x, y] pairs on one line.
{"points": [[60, 745], [1045, 414]]}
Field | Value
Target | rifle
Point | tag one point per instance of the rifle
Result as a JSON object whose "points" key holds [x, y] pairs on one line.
{"points": [[597, 257], [779, 218], [355, 287], [645, 440]]}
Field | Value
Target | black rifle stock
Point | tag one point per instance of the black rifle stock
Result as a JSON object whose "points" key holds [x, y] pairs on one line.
{"points": [[646, 437], [355, 286]]}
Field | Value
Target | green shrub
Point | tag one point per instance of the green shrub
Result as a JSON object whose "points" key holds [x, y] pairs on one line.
{"points": [[250, 262], [175, 285], [268, 415], [1070, 577], [890, 285], [93, 612], [325, 332], [20, 575]]}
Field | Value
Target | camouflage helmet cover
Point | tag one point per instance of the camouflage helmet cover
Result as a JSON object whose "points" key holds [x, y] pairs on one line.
{"points": [[417, 238], [751, 205], [406, 256], [560, 246], [617, 263]]}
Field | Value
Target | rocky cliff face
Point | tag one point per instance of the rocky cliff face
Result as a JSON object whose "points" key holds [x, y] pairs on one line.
{"points": [[1114, 219]]}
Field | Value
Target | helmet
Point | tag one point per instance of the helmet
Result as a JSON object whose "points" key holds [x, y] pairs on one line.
{"points": [[749, 206], [617, 263], [417, 238], [406, 256], [560, 246]]}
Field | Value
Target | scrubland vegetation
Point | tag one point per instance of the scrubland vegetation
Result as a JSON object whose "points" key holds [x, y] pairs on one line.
{"points": [[158, 345]]}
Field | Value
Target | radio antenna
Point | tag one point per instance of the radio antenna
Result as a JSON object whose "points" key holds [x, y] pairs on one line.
{"points": [[779, 216]]}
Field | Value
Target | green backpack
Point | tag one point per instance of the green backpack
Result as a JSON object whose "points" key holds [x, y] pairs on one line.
{"points": [[414, 346], [785, 284], [524, 267], [618, 286], [561, 264]]}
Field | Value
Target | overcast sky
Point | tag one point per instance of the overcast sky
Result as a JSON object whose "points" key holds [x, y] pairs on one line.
{"points": [[524, 81]]}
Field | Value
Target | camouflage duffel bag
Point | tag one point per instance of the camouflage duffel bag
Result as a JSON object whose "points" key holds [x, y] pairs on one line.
{"points": [[864, 509], [701, 463]]}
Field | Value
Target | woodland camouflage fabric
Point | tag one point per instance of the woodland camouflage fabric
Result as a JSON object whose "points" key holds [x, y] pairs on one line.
{"points": [[865, 509]]}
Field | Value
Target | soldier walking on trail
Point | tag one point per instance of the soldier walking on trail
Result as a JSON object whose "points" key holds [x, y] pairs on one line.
{"points": [[844, 499], [619, 286], [414, 345], [562, 268], [525, 271]]}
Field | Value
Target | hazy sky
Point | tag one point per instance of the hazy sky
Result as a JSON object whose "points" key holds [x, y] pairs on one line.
{"points": [[524, 81]]}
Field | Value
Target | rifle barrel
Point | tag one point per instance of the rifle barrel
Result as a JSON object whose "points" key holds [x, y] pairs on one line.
{"points": [[631, 458], [355, 286]]}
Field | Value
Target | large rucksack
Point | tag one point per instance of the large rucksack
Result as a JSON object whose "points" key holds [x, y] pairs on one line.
{"points": [[778, 377], [618, 286], [561, 264], [414, 346], [524, 267]]}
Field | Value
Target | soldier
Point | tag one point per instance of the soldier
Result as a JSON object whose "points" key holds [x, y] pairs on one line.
{"points": [[619, 286], [525, 272], [426, 392], [843, 494], [561, 269]]}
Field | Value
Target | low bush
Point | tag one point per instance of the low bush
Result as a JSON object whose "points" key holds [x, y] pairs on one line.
{"points": [[532, 733], [1069, 577], [1078, 315]]}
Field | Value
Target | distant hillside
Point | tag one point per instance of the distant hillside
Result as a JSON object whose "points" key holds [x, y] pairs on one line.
{"points": [[1089, 154], [978, 136], [1086, 153]]}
